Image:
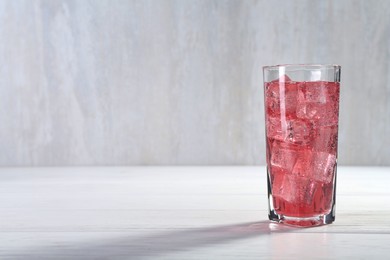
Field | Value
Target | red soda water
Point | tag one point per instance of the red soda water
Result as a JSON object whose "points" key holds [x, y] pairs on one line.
{"points": [[301, 131]]}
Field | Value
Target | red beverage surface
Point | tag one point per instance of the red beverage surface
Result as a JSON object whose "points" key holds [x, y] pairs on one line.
{"points": [[301, 129]]}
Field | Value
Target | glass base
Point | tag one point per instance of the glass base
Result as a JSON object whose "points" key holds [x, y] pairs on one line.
{"points": [[311, 221], [302, 222]]}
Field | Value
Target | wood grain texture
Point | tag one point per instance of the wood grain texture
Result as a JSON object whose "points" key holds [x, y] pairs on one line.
{"points": [[179, 82], [180, 213]]}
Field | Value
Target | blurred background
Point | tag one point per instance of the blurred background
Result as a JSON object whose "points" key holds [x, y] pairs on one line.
{"points": [[180, 82]]}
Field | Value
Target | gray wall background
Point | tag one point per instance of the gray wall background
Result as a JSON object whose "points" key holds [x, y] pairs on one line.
{"points": [[179, 82]]}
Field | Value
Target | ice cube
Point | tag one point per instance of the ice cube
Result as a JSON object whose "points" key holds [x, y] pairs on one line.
{"points": [[299, 131], [293, 188], [293, 130], [318, 101], [304, 189], [290, 99], [283, 78], [272, 99], [281, 185], [281, 97], [283, 156], [325, 139], [314, 91], [275, 129], [307, 110], [320, 114], [323, 166], [325, 199], [317, 166], [303, 163]]}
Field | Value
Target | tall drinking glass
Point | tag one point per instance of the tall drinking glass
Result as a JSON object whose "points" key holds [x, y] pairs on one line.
{"points": [[301, 114]]}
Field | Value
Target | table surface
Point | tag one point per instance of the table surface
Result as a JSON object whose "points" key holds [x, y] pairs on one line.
{"points": [[181, 213]]}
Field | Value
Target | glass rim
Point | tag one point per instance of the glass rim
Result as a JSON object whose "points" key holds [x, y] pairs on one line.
{"points": [[302, 66]]}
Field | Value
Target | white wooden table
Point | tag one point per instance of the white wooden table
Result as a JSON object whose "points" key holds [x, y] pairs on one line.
{"points": [[181, 213]]}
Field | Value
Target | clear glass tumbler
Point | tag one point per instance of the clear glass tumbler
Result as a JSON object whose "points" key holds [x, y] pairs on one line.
{"points": [[301, 114]]}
